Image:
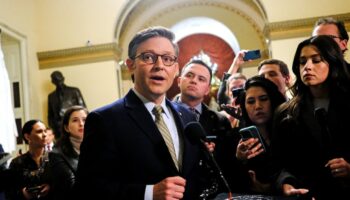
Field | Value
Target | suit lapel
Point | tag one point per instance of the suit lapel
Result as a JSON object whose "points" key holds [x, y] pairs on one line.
{"points": [[144, 121]]}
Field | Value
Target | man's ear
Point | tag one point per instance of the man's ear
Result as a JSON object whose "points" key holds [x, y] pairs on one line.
{"points": [[287, 80], [178, 81], [176, 65], [131, 64], [344, 42], [208, 90]]}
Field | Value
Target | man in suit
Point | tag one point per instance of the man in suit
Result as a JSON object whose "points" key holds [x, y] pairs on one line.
{"points": [[194, 83], [124, 154], [334, 29], [60, 100]]}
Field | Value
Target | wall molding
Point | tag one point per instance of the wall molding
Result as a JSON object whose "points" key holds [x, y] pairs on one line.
{"points": [[300, 27], [79, 55], [111, 51]]}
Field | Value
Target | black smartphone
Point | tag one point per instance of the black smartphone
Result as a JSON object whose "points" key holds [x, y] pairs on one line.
{"points": [[35, 189], [234, 112], [252, 55], [252, 132], [236, 92], [211, 138]]}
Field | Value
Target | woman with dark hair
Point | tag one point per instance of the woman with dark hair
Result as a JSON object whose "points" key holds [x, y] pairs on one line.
{"points": [[312, 137], [30, 170], [65, 155], [253, 172]]}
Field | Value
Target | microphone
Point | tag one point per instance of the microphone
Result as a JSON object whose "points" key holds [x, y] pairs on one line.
{"points": [[196, 134]]}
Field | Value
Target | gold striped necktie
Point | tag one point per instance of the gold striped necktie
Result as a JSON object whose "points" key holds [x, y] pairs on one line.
{"points": [[163, 129]]}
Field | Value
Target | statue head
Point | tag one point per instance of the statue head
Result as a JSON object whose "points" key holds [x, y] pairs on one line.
{"points": [[57, 78]]}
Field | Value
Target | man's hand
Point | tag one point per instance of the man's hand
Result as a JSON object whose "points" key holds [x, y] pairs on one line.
{"points": [[339, 167], [210, 146], [169, 188]]}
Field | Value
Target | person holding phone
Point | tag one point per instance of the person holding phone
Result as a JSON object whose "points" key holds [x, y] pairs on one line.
{"points": [[311, 140], [259, 100], [31, 173]]}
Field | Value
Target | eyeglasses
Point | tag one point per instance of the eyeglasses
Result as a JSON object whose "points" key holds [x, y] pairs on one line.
{"points": [[151, 58], [333, 36]]}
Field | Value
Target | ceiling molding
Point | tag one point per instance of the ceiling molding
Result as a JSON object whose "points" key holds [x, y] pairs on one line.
{"points": [[111, 51], [79, 55], [300, 27]]}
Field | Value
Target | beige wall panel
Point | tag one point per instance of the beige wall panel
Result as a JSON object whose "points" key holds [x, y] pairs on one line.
{"points": [[66, 23], [282, 10]]}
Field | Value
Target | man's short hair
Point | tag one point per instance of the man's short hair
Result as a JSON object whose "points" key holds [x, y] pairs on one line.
{"points": [[148, 33], [340, 25], [200, 62], [283, 66], [235, 76]]}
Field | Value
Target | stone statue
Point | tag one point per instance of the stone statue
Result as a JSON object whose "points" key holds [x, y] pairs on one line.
{"points": [[60, 100]]}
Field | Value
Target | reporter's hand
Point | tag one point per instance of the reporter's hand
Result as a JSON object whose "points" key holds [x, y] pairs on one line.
{"points": [[248, 149], [258, 186], [289, 190], [237, 62], [26, 194], [339, 167], [45, 190], [169, 188], [210, 146]]}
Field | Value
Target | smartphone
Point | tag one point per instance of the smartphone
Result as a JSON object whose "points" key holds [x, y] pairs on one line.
{"points": [[252, 55], [211, 138], [234, 112], [35, 189], [252, 132], [236, 92]]}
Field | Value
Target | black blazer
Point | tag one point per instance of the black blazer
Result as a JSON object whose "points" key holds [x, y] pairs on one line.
{"points": [[302, 147], [123, 151]]}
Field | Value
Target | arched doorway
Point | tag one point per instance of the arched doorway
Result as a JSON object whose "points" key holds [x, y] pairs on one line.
{"points": [[245, 20]]}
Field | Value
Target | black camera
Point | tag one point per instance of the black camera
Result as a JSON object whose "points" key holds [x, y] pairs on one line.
{"points": [[237, 93]]}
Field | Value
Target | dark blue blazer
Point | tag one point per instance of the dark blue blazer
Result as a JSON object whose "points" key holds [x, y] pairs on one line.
{"points": [[123, 151]]}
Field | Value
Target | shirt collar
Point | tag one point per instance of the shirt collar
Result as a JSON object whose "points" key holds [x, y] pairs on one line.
{"points": [[197, 107], [150, 105]]}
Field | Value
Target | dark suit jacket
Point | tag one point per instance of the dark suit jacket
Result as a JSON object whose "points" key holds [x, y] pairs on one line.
{"points": [[123, 151], [214, 122]]}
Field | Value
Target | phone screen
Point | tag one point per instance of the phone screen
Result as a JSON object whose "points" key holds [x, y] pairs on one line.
{"points": [[251, 132], [252, 55]]}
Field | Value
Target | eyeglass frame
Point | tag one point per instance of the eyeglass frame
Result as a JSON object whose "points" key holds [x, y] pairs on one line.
{"points": [[156, 58], [333, 37]]}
